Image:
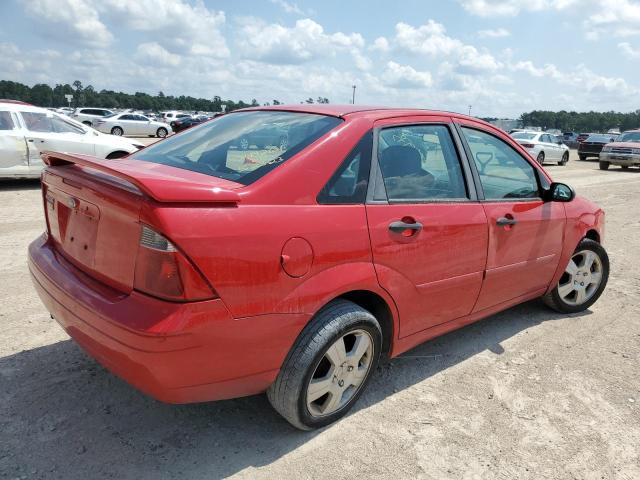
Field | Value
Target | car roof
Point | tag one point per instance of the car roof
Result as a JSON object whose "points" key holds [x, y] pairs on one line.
{"points": [[15, 106], [350, 110]]}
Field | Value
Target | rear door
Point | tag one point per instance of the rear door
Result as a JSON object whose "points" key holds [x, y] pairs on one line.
{"points": [[428, 231], [525, 233], [14, 156]]}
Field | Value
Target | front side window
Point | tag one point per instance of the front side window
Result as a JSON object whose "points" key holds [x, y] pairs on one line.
{"points": [[419, 163], [6, 122], [48, 123], [504, 173], [241, 147]]}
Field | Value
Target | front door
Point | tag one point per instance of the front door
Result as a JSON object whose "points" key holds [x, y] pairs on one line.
{"points": [[525, 233], [428, 232]]}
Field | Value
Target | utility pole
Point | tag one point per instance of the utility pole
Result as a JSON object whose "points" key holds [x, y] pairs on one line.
{"points": [[353, 97], [469, 110]]}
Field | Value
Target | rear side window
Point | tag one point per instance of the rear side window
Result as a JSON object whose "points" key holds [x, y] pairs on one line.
{"points": [[504, 174], [241, 147], [6, 122], [419, 163], [348, 185]]}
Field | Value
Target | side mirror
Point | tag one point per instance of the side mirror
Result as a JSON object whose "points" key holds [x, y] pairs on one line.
{"points": [[559, 192]]}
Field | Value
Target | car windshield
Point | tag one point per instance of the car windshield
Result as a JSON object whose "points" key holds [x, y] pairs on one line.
{"points": [[524, 136], [241, 147], [629, 137], [599, 138]]}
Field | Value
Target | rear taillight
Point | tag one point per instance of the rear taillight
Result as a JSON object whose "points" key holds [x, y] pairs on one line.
{"points": [[527, 145], [165, 272]]}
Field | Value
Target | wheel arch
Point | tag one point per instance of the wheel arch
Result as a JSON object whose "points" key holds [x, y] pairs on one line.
{"points": [[117, 154], [593, 234]]}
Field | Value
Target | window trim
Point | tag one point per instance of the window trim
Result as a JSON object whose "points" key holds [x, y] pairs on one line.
{"points": [[476, 175], [376, 180]]}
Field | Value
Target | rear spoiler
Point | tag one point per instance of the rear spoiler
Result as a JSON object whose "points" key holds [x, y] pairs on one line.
{"points": [[160, 182]]}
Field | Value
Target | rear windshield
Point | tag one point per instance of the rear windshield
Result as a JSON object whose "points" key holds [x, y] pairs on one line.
{"points": [[524, 136], [629, 137], [241, 147], [600, 138]]}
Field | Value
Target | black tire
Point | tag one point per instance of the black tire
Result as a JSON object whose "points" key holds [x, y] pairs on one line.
{"points": [[161, 132], [288, 393], [625, 167], [565, 159], [117, 131], [604, 165], [582, 157], [553, 299], [540, 158]]}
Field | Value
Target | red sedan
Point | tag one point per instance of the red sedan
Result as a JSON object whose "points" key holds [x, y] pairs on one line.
{"points": [[199, 270]]}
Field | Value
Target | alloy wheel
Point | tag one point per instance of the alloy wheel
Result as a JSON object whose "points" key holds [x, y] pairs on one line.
{"points": [[340, 373], [581, 278]]}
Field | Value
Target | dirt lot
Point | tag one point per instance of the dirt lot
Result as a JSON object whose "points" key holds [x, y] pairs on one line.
{"points": [[524, 394]]}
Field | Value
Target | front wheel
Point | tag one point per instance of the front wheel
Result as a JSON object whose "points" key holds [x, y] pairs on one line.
{"points": [[583, 280], [540, 158], [604, 165], [329, 366], [117, 131], [565, 159], [162, 132]]}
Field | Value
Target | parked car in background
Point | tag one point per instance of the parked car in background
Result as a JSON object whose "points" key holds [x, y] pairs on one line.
{"points": [[614, 131], [132, 124], [624, 151], [264, 136], [168, 117], [89, 116], [592, 145], [544, 147], [27, 131], [212, 272], [570, 137], [188, 122], [582, 137]]}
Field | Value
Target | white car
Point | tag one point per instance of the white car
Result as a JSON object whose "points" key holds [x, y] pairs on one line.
{"points": [[169, 117], [26, 131], [89, 116], [544, 147], [132, 124]]}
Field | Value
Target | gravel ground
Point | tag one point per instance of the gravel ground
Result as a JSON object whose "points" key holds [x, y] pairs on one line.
{"points": [[524, 394]]}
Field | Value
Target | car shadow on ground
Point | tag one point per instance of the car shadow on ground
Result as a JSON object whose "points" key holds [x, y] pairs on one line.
{"points": [[11, 185], [64, 416]]}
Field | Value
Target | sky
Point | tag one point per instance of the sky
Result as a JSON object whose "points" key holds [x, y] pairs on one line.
{"points": [[498, 57]]}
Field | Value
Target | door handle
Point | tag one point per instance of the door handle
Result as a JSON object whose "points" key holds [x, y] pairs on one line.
{"points": [[399, 227], [504, 221]]}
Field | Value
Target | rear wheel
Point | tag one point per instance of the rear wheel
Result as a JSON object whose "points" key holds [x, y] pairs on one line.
{"points": [[161, 132], [604, 165], [582, 157], [117, 131], [583, 280], [329, 366], [540, 158]]}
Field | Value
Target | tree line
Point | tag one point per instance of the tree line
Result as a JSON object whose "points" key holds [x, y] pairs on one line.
{"points": [[581, 121], [42, 95]]}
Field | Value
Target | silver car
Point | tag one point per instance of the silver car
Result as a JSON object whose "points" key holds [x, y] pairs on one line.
{"points": [[132, 124], [544, 147]]}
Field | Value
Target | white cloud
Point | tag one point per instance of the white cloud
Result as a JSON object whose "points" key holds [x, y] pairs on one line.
{"points": [[303, 42], [431, 39], [497, 8], [629, 51], [155, 54], [78, 19], [495, 33], [380, 44], [179, 27], [405, 76], [290, 7], [620, 18]]}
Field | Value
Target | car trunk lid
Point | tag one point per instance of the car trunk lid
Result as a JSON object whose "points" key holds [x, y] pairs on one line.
{"points": [[93, 208]]}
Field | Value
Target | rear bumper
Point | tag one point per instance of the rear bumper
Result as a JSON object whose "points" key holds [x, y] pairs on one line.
{"points": [[174, 352]]}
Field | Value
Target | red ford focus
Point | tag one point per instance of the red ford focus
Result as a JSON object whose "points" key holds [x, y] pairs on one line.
{"points": [[213, 265]]}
